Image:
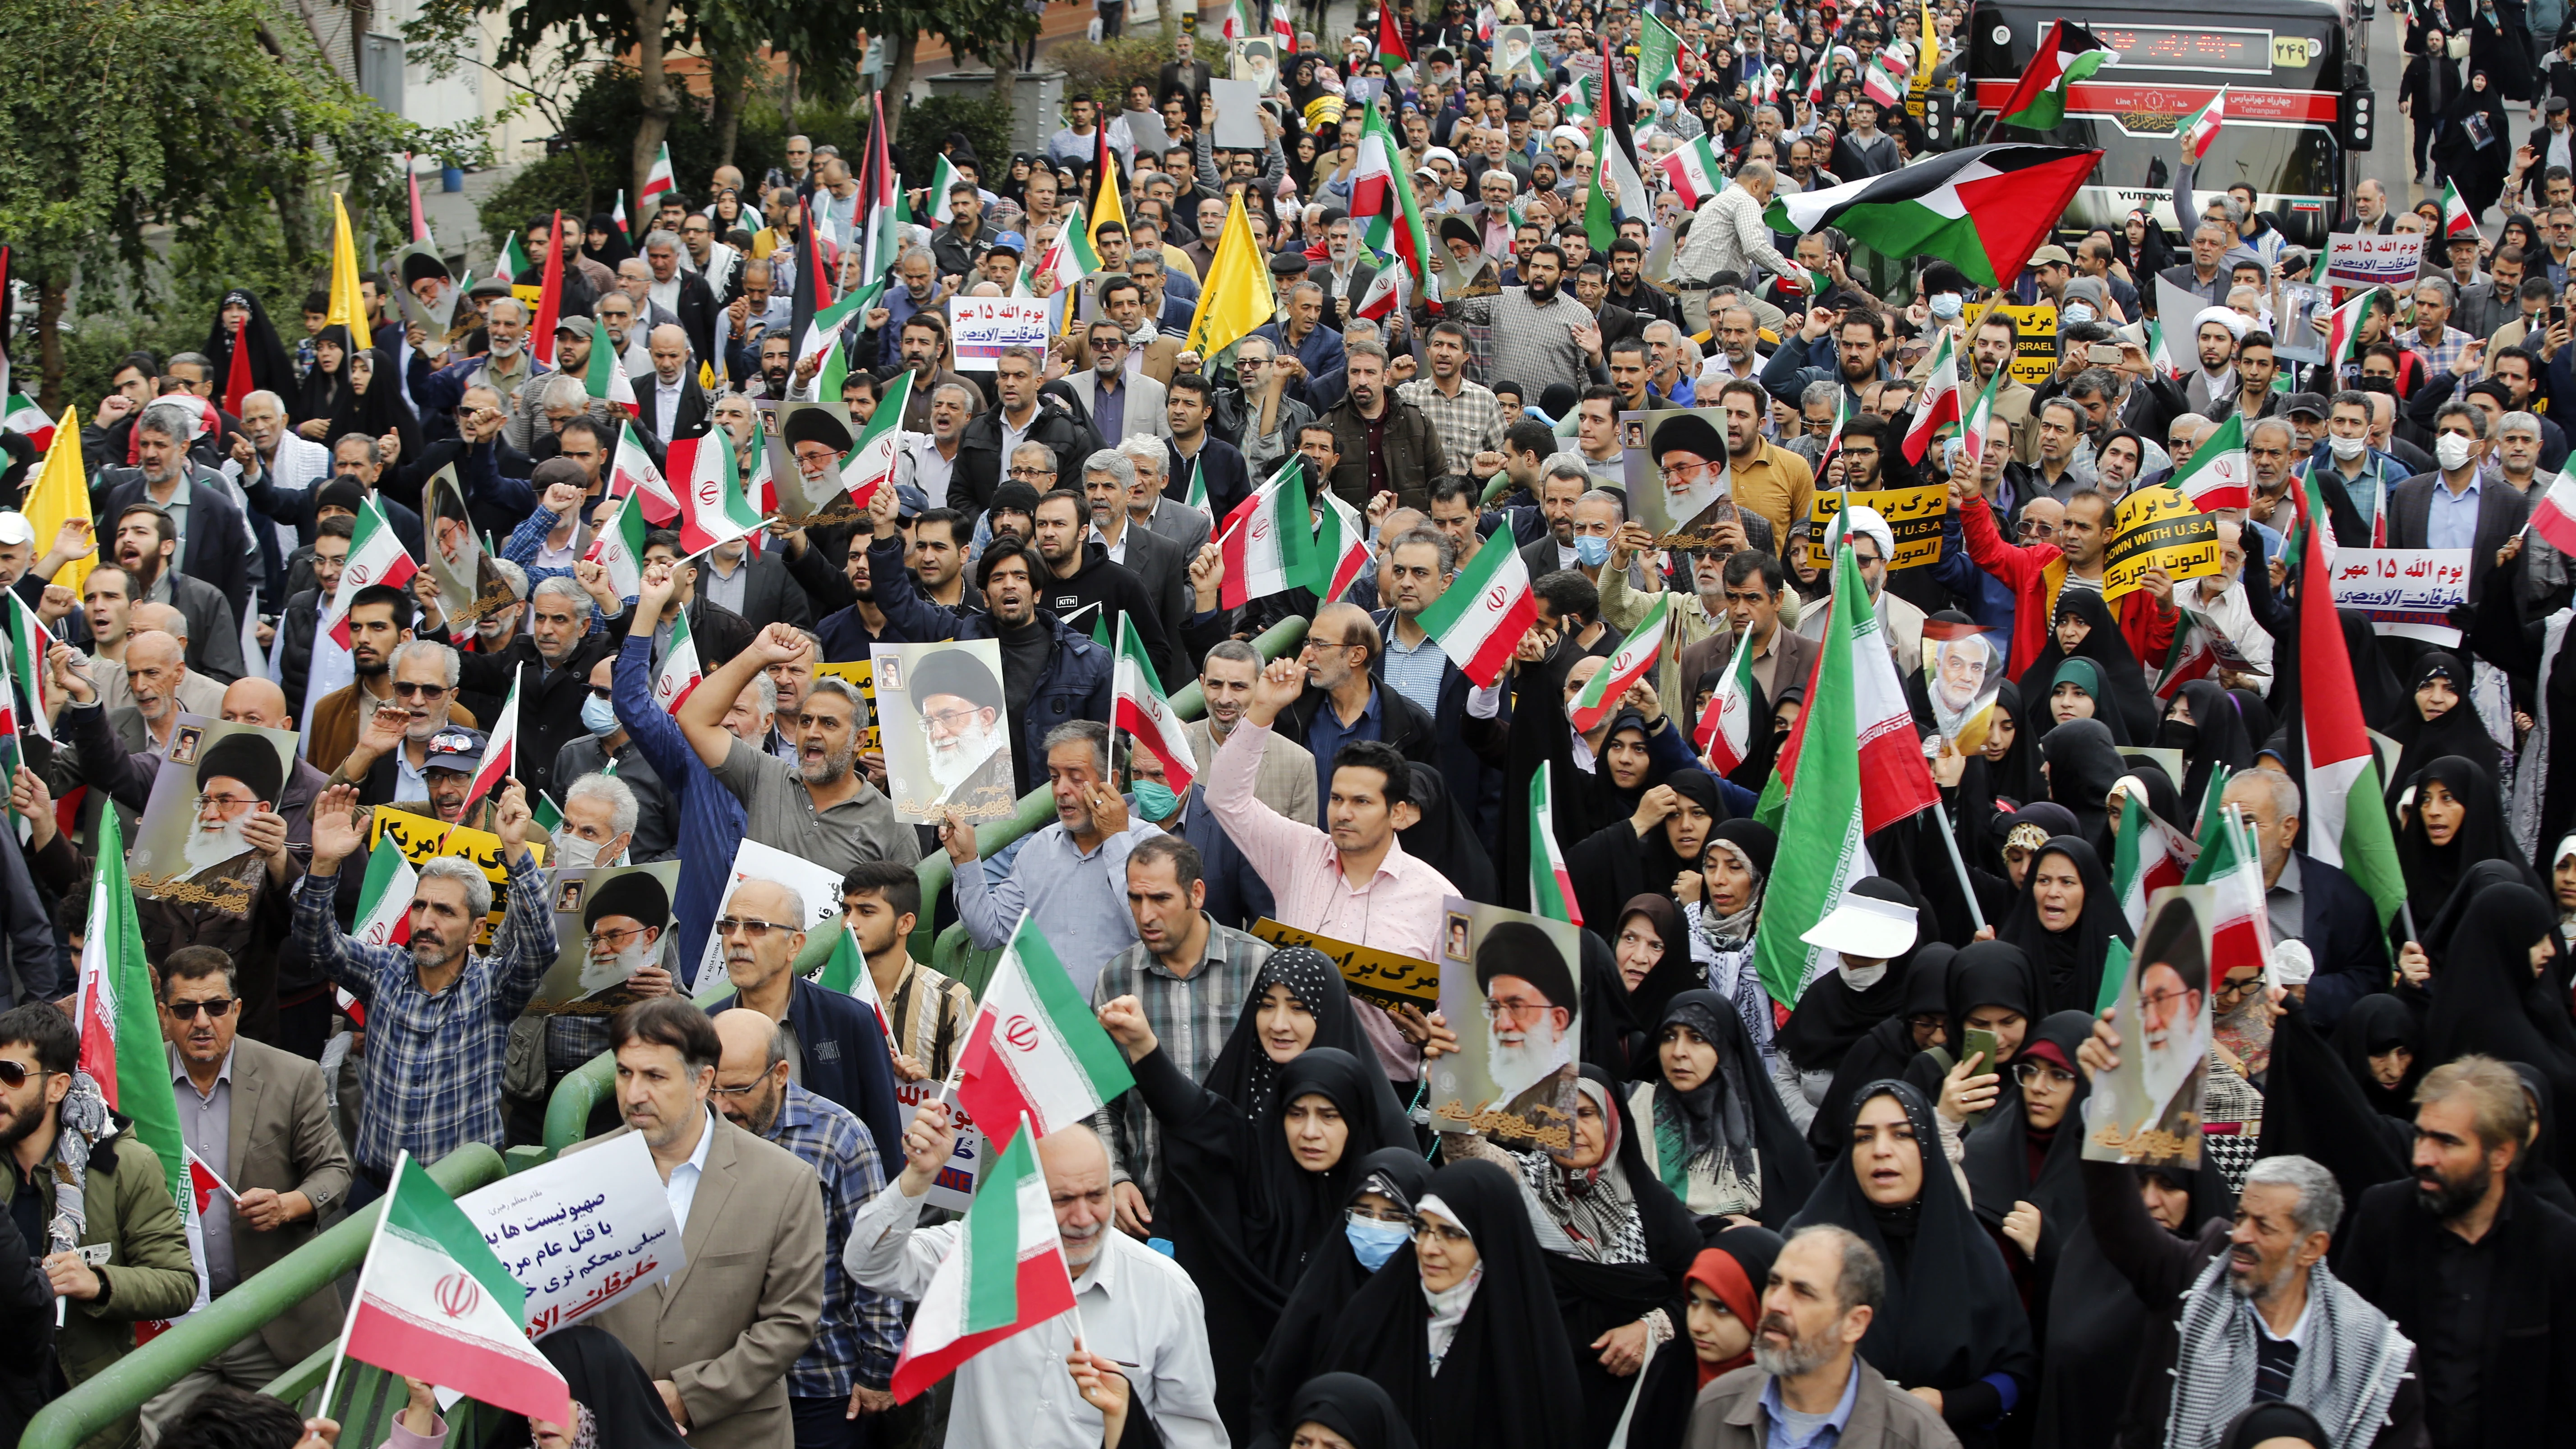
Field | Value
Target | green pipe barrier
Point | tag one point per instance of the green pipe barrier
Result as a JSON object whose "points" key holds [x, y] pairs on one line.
{"points": [[125, 1385], [583, 1088]]}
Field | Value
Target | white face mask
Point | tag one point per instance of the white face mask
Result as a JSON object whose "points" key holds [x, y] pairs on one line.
{"points": [[2451, 451], [2075, 312], [2347, 448], [573, 852]]}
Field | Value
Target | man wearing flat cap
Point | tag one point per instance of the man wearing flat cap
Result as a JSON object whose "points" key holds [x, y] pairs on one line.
{"points": [[1530, 1002], [961, 706], [622, 925]]}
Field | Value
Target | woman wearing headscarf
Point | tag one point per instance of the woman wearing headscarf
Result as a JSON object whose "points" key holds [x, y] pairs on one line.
{"points": [[2083, 764], [373, 405], [1246, 1200], [1723, 1292], [2476, 145], [1376, 1224], [1650, 947], [1617, 1243], [1650, 849], [2065, 922], [2005, 767], [2021, 1164], [2205, 724], [604, 242], [239, 316], [1462, 1328], [1950, 1320], [326, 387], [2381, 1045], [2490, 996], [1722, 1140], [1354, 1411], [2437, 720], [1443, 838], [1721, 910], [2274, 1426], [1870, 934], [1919, 1026], [1993, 988], [2454, 822], [2077, 692], [2537, 1163], [2083, 628], [2140, 246], [1297, 1003]]}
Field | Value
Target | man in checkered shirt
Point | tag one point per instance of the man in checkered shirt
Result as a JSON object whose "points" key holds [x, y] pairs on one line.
{"points": [[438, 1016]]}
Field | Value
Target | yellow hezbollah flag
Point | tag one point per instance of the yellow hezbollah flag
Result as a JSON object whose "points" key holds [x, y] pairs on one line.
{"points": [[1237, 297], [348, 309], [60, 493], [1105, 206]]}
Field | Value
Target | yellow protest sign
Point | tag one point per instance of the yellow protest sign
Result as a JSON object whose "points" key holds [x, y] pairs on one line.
{"points": [[1914, 514], [2035, 354], [422, 839], [1379, 976], [2157, 528]]}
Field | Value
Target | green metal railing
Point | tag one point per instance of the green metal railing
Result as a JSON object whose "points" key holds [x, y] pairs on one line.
{"points": [[568, 1110], [125, 1385]]}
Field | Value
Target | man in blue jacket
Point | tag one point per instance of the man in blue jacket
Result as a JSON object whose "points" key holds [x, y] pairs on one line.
{"points": [[710, 818], [1050, 674]]}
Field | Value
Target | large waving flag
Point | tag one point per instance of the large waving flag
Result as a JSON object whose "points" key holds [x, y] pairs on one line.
{"points": [[376, 556], [1384, 208], [1138, 707], [1392, 52], [1268, 540], [1006, 1274], [713, 509], [1551, 885], [1236, 297], [2221, 472], [1983, 209], [1695, 172], [1035, 1050], [435, 1303], [2345, 824], [1480, 618], [1634, 659], [2069, 53]]}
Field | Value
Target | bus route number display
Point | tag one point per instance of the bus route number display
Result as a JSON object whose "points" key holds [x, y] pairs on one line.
{"points": [[2174, 47]]}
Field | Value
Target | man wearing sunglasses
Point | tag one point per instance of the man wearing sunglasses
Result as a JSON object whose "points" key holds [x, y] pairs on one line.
{"points": [[391, 759], [260, 1118]]}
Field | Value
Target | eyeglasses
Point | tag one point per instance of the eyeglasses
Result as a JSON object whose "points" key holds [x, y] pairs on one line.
{"points": [[2162, 998], [204, 801], [2236, 990], [1521, 1011], [2031, 1074], [1379, 1215], [744, 1090], [421, 691], [750, 929], [949, 721], [597, 939], [1314, 643], [217, 1009], [14, 1075], [1024, 472], [1431, 1228], [599, 691]]}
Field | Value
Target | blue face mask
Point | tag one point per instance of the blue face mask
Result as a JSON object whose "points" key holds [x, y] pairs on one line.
{"points": [[1155, 801], [1946, 305], [1592, 549], [598, 715], [1373, 1242]]}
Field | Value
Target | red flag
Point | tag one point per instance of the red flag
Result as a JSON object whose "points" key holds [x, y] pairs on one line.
{"points": [[237, 379], [541, 333]]}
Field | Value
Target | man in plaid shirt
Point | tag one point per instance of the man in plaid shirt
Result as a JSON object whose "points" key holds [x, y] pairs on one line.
{"points": [[1461, 412], [845, 1372], [438, 1016]]}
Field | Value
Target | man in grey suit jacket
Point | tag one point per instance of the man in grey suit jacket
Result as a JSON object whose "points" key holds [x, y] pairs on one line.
{"points": [[1147, 508], [719, 1335], [1108, 482], [1140, 411], [2500, 510]]}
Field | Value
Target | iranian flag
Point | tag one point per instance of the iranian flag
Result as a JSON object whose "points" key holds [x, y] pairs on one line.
{"points": [[1983, 209], [2067, 54], [713, 510], [1978, 423], [1880, 84], [2229, 860], [1341, 542], [28, 640], [2201, 127], [605, 379], [657, 180], [1069, 258], [1035, 1050], [1551, 885], [1695, 172], [2343, 333], [1633, 660], [2346, 825], [1139, 708], [1268, 542], [119, 1016], [1385, 215], [500, 752], [1006, 1273], [514, 260], [1392, 52], [846, 971], [823, 333], [2147, 856], [619, 548], [1939, 403], [2555, 518], [2221, 473], [1725, 733], [679, 674], [435, 1303], [872, 460], [1856, 769], [942, 176], [631, 474], [1480, 618], [21, 415], [617, 216], [375, 557], [384, 899], [2457, 219]]}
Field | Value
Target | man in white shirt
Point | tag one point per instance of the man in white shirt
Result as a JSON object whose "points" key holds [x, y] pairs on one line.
{"points": [[2220, 599], [1136, 1306], [267, 448], [929, 460]]}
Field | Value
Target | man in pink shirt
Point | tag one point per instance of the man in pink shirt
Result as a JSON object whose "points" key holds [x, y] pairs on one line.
{"points": [[1354, 883]]}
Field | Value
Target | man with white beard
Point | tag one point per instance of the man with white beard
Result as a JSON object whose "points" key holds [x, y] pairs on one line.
{"points": [[622, 925], [1529, 1025], [961, 703], [2175, 1042], [238, 778], [1960, 667]]}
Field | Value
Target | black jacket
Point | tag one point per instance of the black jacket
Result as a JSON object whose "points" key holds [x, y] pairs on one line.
{"points": [[1400, 722], [218, 547], [980, 466], [846, 1059], [697, 313], [1120, 594], [769, 595], [2337, 920], [549, 699], [1476, 786]]}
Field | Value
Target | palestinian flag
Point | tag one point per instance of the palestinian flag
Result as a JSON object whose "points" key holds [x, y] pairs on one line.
{"points": [[679, 675], [119, 1016], [2457, 219], [1138, 707], [1480, 618], [2147, 856], [1980, 421], [541, 332], [1614, 163], [823, 332], [713, 509], [1695, 172], [1551, 885], [1725, 733], [881, 220], [812, 289], [1341, 543], [1268, 542], [1005, 1275], [384, 900], [500, 751], [2068, 54], [605, 379], [1035, 1050], [1939, 403], [376, 556], [1983, 209], [657, 180], [1634, 659], [2221, 473], [203, 1183], [1856, 770], [2201, 127], [2344, 823], [872, 460], [942, 176], [1392, 52], [435, 1303]]}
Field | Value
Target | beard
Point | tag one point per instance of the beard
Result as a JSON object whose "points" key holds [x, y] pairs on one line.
{"points": [[829, 769], [1541, 295], [1081, 1245], [1518, 1066], [18, 1125], [2257, 1290], [211, 846], [1800, 1357], [956, 759], [599, 974], [2451, 1199]]}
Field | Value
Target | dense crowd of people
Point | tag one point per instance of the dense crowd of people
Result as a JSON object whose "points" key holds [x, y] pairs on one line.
{"points": [[1851, 1214]]}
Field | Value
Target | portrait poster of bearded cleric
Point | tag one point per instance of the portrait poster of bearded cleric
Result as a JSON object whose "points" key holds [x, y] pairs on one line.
{"points": [[611, 921], [808, 446], [199, 839], [2146, 1110], [1510, 981], [945, 728], [1679, 485], [469, 587]]}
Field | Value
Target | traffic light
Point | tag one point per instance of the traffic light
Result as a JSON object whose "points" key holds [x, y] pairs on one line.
{"points": [[2358, 112]]}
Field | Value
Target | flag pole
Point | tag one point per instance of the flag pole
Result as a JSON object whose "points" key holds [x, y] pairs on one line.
{"points": [[1967, 889], [340, 1352]]}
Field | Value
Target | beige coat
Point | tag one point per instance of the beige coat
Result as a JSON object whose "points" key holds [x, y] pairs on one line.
{"points": [[1729, 1415], [283, 1139], [1286, 781]]}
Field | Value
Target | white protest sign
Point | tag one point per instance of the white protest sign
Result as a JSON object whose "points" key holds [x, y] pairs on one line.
{"points": [[819, 885], [2367, 259], [954, 1188], [2406, 591], [983, 326], [581, 1232]]}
